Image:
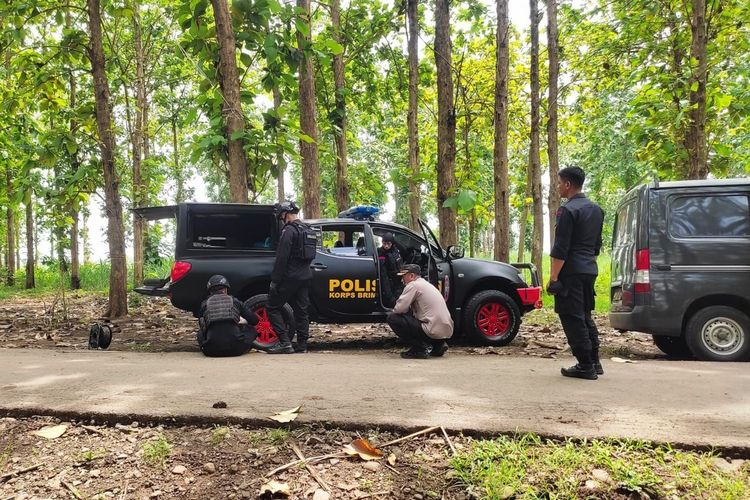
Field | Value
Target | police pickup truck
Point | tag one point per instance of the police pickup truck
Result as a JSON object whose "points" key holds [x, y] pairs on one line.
{"points": [[486, 298]]}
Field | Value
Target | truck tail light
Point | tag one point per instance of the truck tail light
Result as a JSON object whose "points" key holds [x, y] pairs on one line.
{"points": [[642, 279], [179, 270]]}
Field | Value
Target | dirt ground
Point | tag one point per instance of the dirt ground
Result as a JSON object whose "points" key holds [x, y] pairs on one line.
{"points": [[136, 461], [154, 325]]}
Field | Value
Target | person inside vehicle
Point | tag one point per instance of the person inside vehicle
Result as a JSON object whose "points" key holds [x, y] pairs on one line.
{"points": [[390, 262], [290, 279], [420, 317], [227, 326]]}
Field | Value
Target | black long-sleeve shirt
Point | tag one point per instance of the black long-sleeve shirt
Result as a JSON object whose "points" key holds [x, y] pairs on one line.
{"points": [[289, 265], [578, 235]]}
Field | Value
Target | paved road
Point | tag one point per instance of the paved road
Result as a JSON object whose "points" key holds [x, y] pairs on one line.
{"points": [[689, 403]]}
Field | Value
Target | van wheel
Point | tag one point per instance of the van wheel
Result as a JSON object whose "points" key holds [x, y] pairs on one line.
{"points": [[674, 347], [266, 335], [492, 318], [719, 333]]}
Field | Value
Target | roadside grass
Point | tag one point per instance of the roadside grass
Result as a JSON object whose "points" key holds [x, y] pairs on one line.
{"points": [[274, 437], [218, 435], [91, 455], [156, 452], [529, 467]]}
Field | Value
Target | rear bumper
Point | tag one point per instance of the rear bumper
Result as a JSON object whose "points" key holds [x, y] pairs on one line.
{"points": [[643, 319], [153, 291]]}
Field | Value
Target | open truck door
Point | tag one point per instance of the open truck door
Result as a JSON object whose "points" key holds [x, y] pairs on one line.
{"points": [[155, 287]]}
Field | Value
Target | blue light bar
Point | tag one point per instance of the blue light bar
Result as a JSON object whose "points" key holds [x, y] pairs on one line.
{"points": [[360, 212]]}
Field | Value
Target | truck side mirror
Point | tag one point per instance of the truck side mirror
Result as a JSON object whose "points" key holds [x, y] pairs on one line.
{"points": [[456, 252]]}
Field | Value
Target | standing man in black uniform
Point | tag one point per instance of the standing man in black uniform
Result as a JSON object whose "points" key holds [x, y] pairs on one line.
{"points": [[227, 327], [390, 262], [578, 239], [290, 279]]}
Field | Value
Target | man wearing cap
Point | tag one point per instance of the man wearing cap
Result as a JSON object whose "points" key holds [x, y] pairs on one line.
{"points": [[290, 279], [390, 262], [227, 326], [420, 316]]}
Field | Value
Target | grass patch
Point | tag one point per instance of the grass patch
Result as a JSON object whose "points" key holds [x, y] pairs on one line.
{"points": [[276, 437], [91, 455], [156, 452], [529, 467], [218, 435]]}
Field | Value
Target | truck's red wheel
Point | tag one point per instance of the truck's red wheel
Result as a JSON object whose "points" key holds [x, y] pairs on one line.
{"points": [[492, 318], [266, 334]]}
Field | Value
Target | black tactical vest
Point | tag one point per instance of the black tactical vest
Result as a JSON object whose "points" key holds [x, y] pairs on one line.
{"points": [[220, 307]]}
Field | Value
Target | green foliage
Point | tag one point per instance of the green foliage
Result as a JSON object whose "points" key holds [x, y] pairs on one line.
{"points": [[155, 453], [527, 466], [219, 435]]}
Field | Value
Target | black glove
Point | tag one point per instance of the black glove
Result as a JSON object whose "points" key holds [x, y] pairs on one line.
{"points": [[273, 288], [555, 288]]}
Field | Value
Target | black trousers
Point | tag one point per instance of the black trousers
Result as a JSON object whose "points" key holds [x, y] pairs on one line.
{"points": [[409, 329], [574, 305], [297, 295], [226, 339]]}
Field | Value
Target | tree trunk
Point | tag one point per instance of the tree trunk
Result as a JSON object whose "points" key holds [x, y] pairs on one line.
{"points": [[535, 167], [30, 240], [446, 176], [75, 266], [118, 300], [10, 224], [308, 122], [85, 238], [472, 231], [339, 114], [138, 141], [500, 152], [695, 139], [179, 196], [552, 151], [521, 257], [280, 162], [234, 119], [411, 117]]}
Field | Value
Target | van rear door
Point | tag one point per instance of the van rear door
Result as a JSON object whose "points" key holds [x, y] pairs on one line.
{"points": [[624, 240]]}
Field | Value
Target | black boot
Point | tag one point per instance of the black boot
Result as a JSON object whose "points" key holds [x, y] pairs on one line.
{"points": [[585, 371], [597, 364], [417, 352], [438, 349], [283, 346], [301, 347]]}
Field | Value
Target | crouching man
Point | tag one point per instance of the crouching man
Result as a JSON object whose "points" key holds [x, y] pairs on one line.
{"points": [[227, 327], [420, 317]]}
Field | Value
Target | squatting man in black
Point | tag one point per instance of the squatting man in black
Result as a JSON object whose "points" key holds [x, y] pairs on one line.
{"points": [[227, 326], [573, 272], [290, 279]]}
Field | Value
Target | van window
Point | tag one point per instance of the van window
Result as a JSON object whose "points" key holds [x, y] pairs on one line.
{"points": [[726, 216], [232, 231], [625, 225], [346, 240]]}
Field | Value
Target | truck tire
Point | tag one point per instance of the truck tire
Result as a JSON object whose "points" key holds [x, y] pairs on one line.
{"points": [[719, 333], [492, 318], [266, 336], [674, 347]]}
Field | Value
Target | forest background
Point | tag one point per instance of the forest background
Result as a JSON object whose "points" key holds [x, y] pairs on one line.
{"points": [[440, 110]]}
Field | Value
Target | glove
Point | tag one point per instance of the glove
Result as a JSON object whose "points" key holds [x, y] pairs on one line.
{"points": [[273, 288], [555, 288]]}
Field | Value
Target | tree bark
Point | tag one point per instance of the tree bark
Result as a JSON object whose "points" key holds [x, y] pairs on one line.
{"points": [[552, 150], [179, 196], [521, 256], [10, 224], [138, 141], [234, 119], [85, 238], [446, 176], [500, 152], [695, 140], [30, 258], [308, 120], [280, 162], [339, 114], [118, 301], [75, 263], [412, 13], [535, 167]]}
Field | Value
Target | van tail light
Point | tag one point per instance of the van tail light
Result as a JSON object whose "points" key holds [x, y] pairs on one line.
{"points": [[642, 278], [179, 270]]}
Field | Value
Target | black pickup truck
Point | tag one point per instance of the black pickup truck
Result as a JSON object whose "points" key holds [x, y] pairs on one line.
{"points": [[486, 298]]}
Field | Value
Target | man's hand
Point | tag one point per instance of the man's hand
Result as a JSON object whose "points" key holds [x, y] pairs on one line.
{"points": [[272, 289], [554, 287]]}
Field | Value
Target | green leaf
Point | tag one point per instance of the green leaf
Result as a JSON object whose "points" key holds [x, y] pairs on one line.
{"points": [[334, 47], [306, 138], [302, 27]]}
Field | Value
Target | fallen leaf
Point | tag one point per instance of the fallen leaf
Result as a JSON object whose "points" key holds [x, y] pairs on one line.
{"points": [[274, 488], [392, 459], [364, 449], [321, 495], [622, 360], [286, 415], [52, 432]]}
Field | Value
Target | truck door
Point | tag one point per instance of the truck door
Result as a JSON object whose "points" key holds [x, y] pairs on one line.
{"points": [[438, 266], [344, 272]]}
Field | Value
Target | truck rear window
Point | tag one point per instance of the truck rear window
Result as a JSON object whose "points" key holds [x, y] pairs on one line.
{"points": [[724, 216], [232, 231], [625, 225]]}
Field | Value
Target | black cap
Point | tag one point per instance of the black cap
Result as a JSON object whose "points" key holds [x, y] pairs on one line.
{"points": [[410, 268], [389, 237], [285, 207], [217, 281]]}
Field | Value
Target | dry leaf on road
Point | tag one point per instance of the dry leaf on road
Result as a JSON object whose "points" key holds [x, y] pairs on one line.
{"points": [[286, 415], [273, 488], [52, 432], [364, 449], [622, 360]]}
